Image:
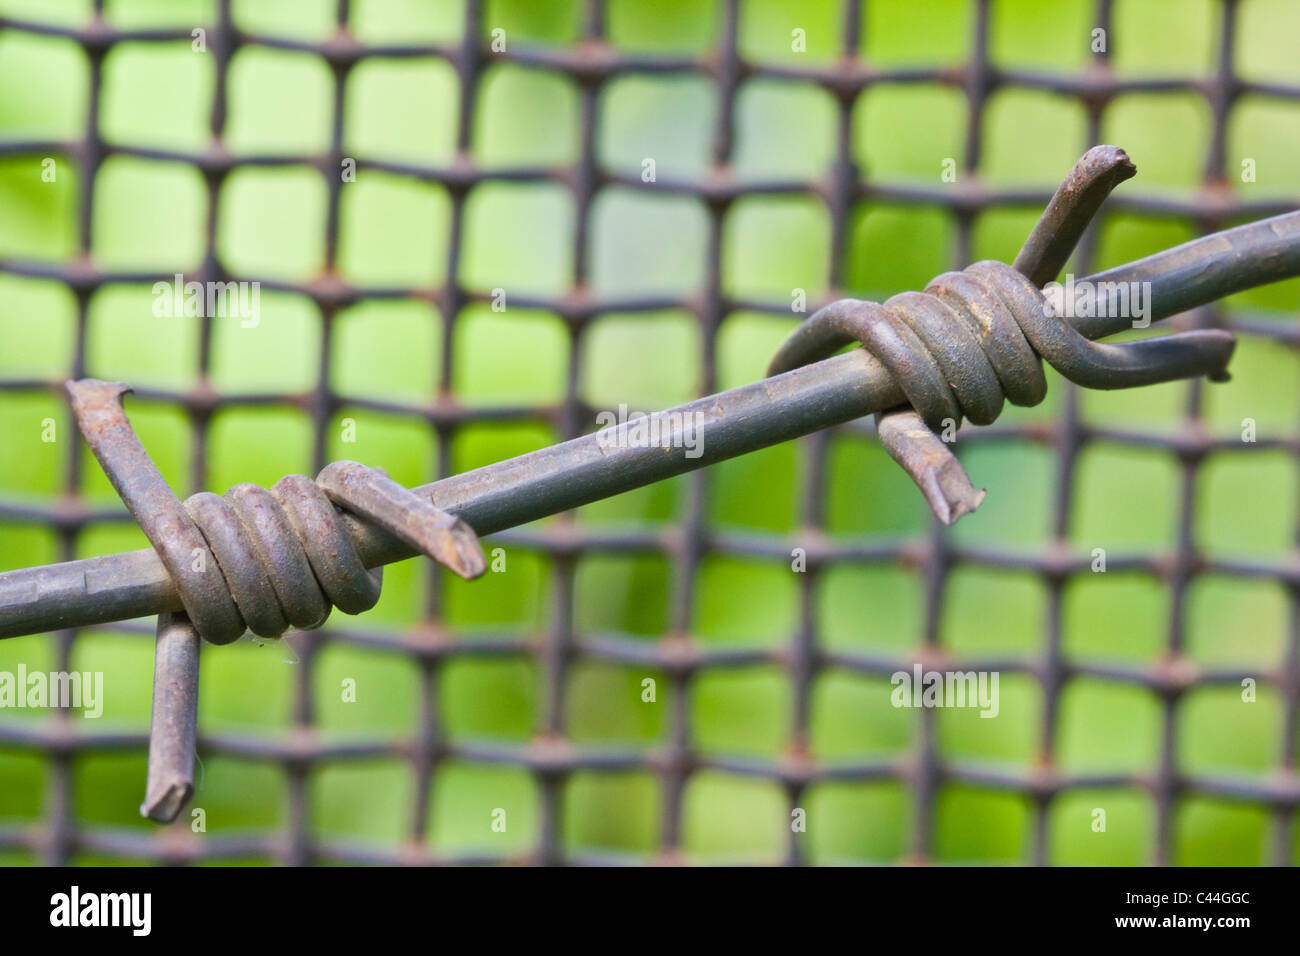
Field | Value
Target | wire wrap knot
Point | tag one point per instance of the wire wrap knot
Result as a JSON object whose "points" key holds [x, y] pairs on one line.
{"points": [[264, 560], [976, 338]]}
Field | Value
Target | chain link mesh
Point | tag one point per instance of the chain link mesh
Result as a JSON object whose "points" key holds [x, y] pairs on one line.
{"points": [[553, 757]]}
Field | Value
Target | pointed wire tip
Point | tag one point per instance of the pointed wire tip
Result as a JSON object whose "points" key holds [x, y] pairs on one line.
{"points": [[930, 463], [414, 519], [164, 803], [948, 490], [460, 551], [94, 388], [1225, 343], [950, 508]]}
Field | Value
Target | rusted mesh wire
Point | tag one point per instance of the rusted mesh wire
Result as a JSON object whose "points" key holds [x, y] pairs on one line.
{"points": [[553, 757]]}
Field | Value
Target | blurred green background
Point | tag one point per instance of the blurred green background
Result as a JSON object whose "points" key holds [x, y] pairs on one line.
{"points": [[149, 216]]}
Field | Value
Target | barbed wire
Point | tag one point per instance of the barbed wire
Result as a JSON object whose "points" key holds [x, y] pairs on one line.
{"points": [[552, 758]]}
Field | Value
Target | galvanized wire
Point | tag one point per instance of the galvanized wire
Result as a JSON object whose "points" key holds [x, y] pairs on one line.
{"points": [[552, 757]]}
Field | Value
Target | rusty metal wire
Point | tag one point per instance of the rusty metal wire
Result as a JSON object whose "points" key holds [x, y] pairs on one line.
{"points": [[265, 561], [552, 757], [253, 560]]}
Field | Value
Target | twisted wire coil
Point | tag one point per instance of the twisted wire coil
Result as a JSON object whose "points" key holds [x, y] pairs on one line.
{"points": [[285, 559], [265, 560], [977, 337]]}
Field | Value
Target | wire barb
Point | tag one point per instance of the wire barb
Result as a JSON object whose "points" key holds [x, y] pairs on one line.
{"points": [[977, 337], [170, 779], [252, 560], [264, 560]]}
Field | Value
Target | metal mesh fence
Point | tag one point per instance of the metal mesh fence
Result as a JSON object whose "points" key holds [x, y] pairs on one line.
{"points": [[553, 757]]}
